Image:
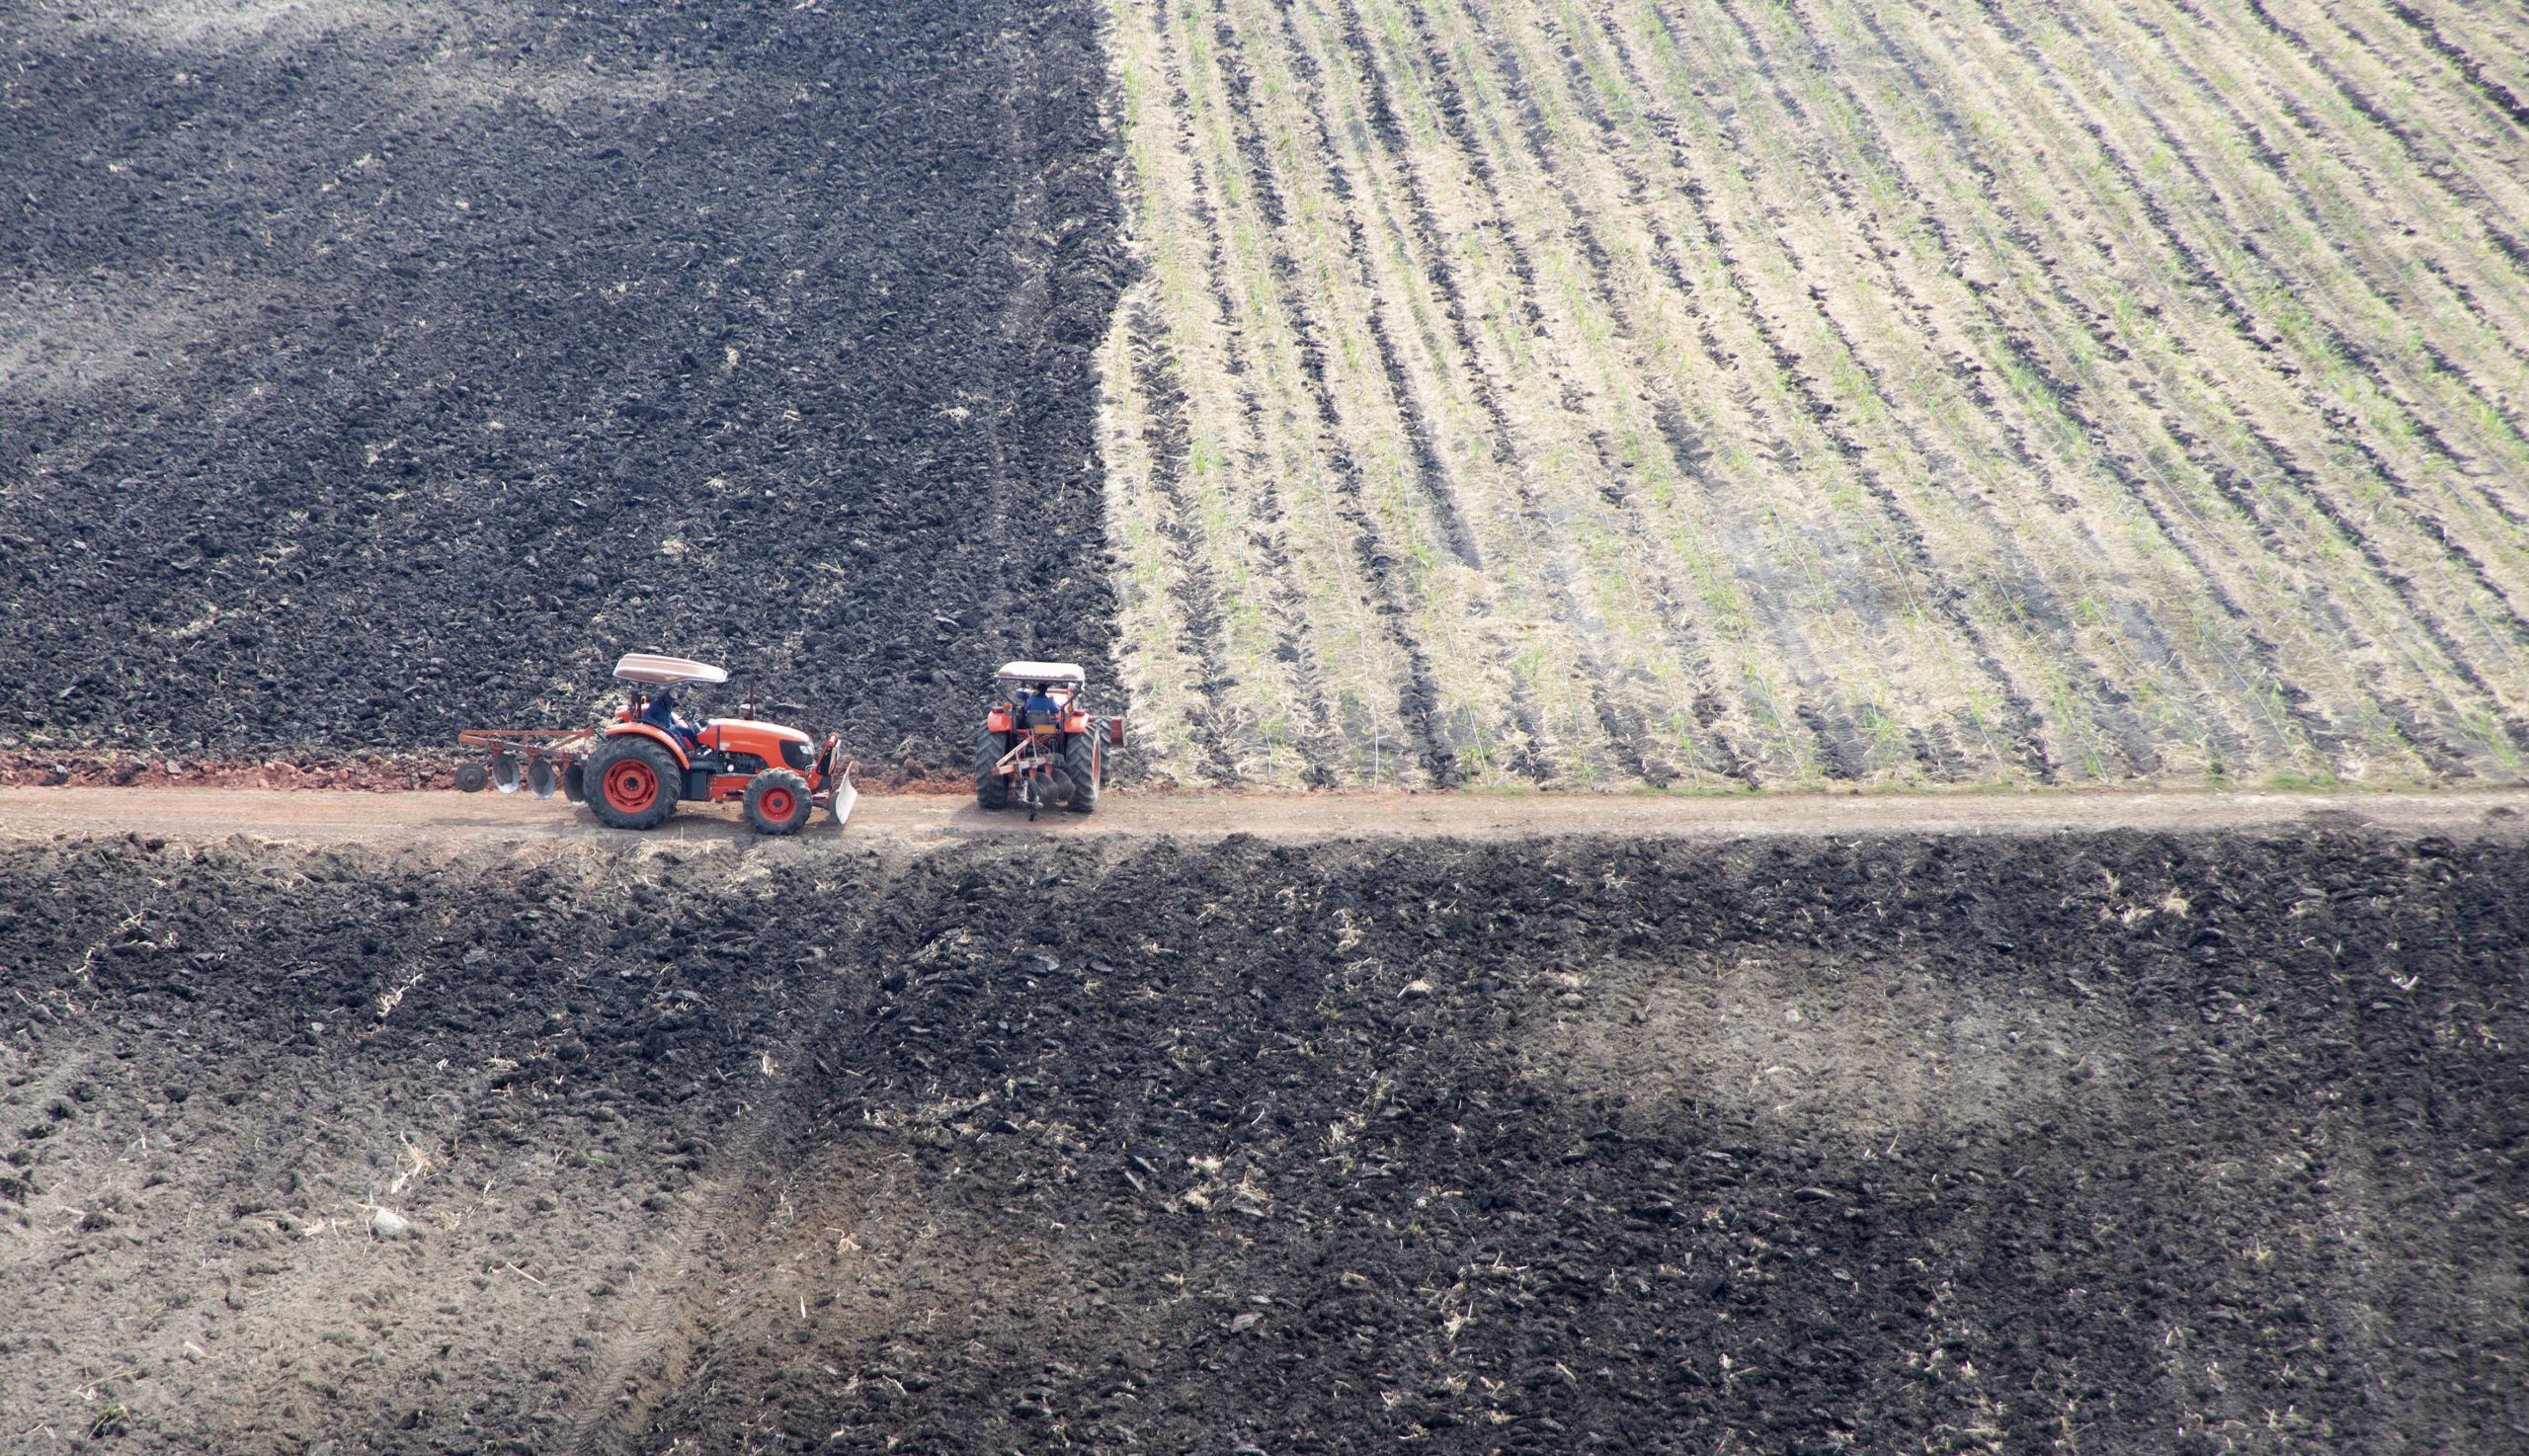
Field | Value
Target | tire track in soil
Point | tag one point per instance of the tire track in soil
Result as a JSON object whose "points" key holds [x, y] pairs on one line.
{"points": [[2110, 706], [52, 1097], [1419, 696], [1136, 1086], [2025, 726], [1196, 591], [1053, 344], [1627, 731], [2228, 481], [664, 1332], [2124, 464], [2304, 481], [1831, 730]]}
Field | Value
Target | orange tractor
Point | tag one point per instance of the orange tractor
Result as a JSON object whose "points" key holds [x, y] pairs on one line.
{"points": [[1039, 746], [633, 770]]}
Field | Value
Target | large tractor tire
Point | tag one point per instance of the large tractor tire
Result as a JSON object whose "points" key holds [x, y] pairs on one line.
{"points": [[776, 801], [1080, 765], [632, 783], [1102, 731], [992, 790]]}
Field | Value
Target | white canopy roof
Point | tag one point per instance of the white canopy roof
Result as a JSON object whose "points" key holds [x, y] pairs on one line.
{"points": [[1042, 672], [667, 671]]}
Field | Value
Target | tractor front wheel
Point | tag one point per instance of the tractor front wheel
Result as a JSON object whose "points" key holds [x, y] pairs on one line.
{"points": [[776, 801], [992, 790], [632, 783]]}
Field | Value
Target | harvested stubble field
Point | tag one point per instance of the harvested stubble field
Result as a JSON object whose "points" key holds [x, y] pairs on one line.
{"points": [[1706, 392], [2097, 1143]]}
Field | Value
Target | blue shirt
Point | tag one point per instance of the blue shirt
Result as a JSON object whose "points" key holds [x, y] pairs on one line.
{"points": [[661, 715]]}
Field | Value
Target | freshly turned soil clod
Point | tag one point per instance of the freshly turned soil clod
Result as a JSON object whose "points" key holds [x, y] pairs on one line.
{"points": [[485, 345], [1824, 1141]]}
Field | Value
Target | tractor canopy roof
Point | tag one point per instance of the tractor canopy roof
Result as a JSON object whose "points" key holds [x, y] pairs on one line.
{"points": [[666, 671], [1041, 671]]}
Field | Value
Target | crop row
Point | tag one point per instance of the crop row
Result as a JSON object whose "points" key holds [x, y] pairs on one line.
{"points": [[1713, 392]]}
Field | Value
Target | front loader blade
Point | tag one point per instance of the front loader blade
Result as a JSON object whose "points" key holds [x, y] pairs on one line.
{"points": [[844, 799]]}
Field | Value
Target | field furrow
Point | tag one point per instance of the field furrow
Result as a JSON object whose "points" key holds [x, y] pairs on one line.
{"points": [[1804, 391], [2485, 41], [2269, 313], [2131, 307], [2418, 393]]}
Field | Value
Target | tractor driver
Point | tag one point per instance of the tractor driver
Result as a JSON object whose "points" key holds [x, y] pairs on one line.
{"points": [[1039, 702], [662, 715]]}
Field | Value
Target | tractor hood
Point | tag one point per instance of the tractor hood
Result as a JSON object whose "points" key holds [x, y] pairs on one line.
{"points": [[737, 733]]}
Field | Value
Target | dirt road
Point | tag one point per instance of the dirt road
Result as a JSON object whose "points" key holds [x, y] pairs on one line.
{"points": [[914, 819]]}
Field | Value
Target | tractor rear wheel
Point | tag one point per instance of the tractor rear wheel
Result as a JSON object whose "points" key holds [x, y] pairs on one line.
{"points": [[633, 782], [776, 801], [1103, 731], [1080, 765], [992, 790]]}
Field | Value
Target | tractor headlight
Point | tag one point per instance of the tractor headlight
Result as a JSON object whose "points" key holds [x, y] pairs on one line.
{"points": [[797, 755]]}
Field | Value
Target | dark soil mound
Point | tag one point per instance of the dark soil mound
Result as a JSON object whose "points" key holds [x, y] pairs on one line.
{"points": [[371, 371], [2140, 1143]]}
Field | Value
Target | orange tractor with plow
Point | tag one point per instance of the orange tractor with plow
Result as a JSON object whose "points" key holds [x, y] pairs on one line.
{"points": [[1039, 746], [633, 771]]}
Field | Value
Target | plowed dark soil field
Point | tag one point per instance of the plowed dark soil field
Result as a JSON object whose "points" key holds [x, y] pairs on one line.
{"points": [[366, 370], [2106, 1143]]}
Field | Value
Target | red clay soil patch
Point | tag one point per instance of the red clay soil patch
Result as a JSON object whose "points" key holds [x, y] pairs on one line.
{"points": [[379, 773], [371, 773]]}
